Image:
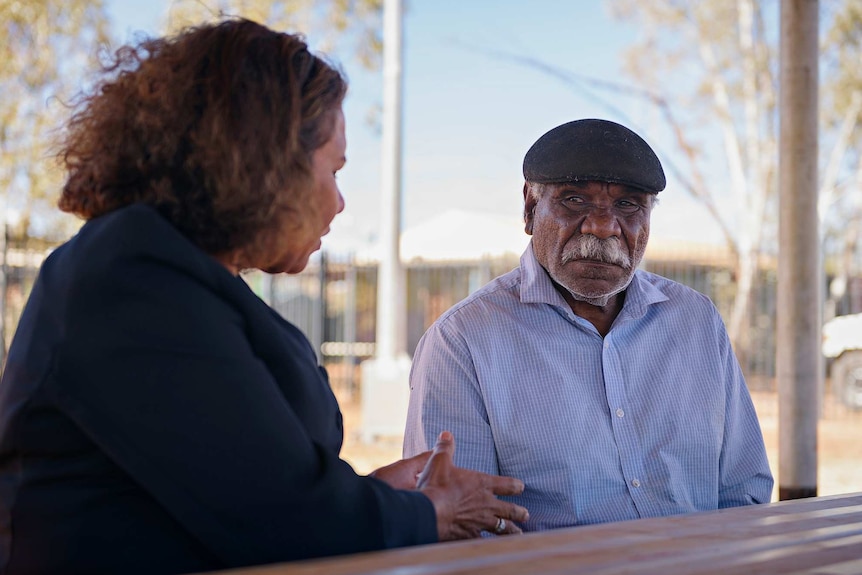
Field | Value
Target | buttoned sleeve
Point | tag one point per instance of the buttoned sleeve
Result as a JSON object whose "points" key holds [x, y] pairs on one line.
{"points": [[445, 395], [744, 473]]}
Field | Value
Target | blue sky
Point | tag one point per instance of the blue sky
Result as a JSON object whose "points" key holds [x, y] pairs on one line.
{"points": [[469, 117]]}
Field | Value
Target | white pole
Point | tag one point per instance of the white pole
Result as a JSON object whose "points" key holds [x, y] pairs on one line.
{"points": [[385, 387], [391, 312]]}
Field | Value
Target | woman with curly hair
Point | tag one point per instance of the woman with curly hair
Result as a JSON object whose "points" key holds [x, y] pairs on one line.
{"points": [[155, 415]]}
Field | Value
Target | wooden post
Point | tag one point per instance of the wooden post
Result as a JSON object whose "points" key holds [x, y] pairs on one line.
{"points": [[799, 279]]}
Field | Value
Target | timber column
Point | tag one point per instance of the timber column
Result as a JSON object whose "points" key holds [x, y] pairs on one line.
{"points": [[799, 278]]}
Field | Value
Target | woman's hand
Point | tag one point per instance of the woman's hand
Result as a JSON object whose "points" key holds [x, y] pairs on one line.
{"points": [[403, 474], [465, 500]]}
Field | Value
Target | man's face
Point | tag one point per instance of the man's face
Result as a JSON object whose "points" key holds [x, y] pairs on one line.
{"points": [[589, 236]]}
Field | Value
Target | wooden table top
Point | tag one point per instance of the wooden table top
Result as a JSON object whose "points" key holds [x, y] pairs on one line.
{"points": [[816, 536]]}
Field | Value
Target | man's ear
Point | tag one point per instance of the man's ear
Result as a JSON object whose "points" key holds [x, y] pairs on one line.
{"points": [[529, 209]]}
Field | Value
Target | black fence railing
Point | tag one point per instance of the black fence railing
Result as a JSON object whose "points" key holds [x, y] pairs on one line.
{"points": [[334, 302]]}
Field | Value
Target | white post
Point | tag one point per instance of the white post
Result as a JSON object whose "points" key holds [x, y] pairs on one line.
{"points": [[385, 389], [391, 327]]}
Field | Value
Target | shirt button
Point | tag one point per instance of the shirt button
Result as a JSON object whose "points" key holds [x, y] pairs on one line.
{"points": [[620, 412], [607, 344], [636, 483]]}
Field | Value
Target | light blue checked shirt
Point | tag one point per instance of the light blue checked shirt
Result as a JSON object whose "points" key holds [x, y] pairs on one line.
{"points": [[653, 419]]}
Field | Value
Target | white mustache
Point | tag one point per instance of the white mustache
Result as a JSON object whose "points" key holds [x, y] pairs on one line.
{"points": [[589, 247]]}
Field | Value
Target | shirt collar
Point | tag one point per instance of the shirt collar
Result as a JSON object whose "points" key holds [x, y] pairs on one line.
{"points": [[537, 287], [536, 284]]}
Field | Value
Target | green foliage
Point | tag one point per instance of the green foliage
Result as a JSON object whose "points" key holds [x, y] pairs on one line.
{"points": [[47, 47], [843, 62], [45, 44], [327, 23]]}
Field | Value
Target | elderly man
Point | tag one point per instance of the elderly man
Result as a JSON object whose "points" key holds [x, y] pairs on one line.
{"points": [[613, 393]]}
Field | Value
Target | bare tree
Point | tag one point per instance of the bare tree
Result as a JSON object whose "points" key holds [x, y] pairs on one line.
{"points": [[840, 202], [728, 60], [710, 67]]}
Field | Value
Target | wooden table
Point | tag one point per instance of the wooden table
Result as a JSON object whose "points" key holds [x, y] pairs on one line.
{"points": [[816, 536]]}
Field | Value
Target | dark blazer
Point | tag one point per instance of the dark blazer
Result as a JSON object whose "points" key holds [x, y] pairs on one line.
{"points": [[157, 417]]}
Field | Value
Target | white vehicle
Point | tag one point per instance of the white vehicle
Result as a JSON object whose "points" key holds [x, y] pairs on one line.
{"points": [[842, 343]]}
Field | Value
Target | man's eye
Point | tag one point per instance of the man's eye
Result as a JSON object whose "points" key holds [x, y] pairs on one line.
{"points": [[627, 206]]}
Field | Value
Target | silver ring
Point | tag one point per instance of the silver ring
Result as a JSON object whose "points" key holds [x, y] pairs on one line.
{"points": [[501, 526]]}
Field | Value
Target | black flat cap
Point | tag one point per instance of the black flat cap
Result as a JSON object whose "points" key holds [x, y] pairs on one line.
{"points": [[594, 150]]}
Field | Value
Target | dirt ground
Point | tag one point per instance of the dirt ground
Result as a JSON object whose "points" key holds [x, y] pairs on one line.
{"points": [[839, 447], [839, 443]]}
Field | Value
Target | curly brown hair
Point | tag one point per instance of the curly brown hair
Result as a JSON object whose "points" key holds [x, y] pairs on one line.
{"points": [[214, 127]]}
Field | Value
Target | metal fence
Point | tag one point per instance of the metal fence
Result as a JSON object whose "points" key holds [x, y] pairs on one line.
{"points": [[334, 302]]}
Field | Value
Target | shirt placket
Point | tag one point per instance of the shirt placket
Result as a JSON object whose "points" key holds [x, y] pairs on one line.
{"points": [[624, 429]]}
